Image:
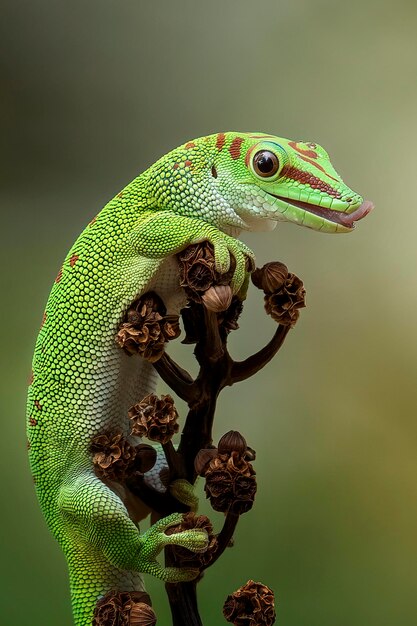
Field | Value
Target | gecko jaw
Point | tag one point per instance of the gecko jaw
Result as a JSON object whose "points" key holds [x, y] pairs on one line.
{"points": [[337, 217]]}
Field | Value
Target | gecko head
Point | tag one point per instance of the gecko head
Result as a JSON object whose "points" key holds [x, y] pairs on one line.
{"points": [[266, 179]]}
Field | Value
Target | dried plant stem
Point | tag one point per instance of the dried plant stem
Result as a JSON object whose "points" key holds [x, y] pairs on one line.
{"points": [[217, 370]]}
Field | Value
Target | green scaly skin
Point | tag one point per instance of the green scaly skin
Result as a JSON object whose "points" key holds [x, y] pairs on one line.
{"points": [[83, 384]]}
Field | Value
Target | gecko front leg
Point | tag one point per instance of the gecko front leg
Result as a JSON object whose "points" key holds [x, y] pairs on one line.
{"points": [[163, 233]]}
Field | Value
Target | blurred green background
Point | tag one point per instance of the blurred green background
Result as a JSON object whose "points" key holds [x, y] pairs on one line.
{"points": [[92, 93]]}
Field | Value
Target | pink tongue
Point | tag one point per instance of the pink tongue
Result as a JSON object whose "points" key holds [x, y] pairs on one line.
{"points": [[361, 211]]}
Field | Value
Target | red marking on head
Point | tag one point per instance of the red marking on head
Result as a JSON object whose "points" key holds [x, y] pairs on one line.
{"points": [[235, 147], [32, 421], [308, 153], [309, 179], [175, 166], [120, 194], [31, 377], [43, 319], [248, 153], [188, 163], [319, 167], [221, 139], [74, 259], [59, 276], [38, 405], [261, 136], [93, 221], [190, 144]]}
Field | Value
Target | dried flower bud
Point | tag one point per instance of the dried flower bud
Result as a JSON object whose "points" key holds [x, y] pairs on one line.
{"points": [[145, 458], [203, 458], [113, 456], [271, 277], [117, 608], [154, 418], [232, 441], [283, 306], [142, 614], [230, 483], [196, 560], [217, 298], [251, 605]]}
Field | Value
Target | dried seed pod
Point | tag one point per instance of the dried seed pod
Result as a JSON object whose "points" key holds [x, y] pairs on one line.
{"points": [[145, 458], [283, 306], [252, 604], [170, 326], [146, 328], [115, 609], [142, 614], [113, 456], [271, 277], [217, 298], [230, 483], [196, 266], [109, 611], [232, 441], [198, 273], [154, 418], [250, 454], [203, 458]]}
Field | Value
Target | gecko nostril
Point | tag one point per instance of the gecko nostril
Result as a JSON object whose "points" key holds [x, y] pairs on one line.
{"points": [[213, 172]]}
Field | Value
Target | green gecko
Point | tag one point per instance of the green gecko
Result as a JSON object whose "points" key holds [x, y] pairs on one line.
{"points": [[83, 384]]}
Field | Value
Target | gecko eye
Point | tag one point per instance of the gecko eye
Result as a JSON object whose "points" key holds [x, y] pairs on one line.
{"points": [[265, 163]]}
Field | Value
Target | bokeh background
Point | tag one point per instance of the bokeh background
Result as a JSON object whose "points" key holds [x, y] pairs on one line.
{"points": [[92, 93]]}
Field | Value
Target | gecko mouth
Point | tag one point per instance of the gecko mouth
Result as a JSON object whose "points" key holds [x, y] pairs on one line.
{"points": [[337, 217]]}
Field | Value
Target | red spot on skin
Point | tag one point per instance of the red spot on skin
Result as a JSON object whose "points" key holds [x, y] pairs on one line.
{"points": [[248, 153], [38, 405], [308, 153], [74, 259], [32, 421], [120, 194], [319, 167], [31, 377], [309, 179], [188, 163], [93, 221], [59, 276], [43, 319], [221, 139], [261, 136], [175, 166], [235, 147], [190, 144]]}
